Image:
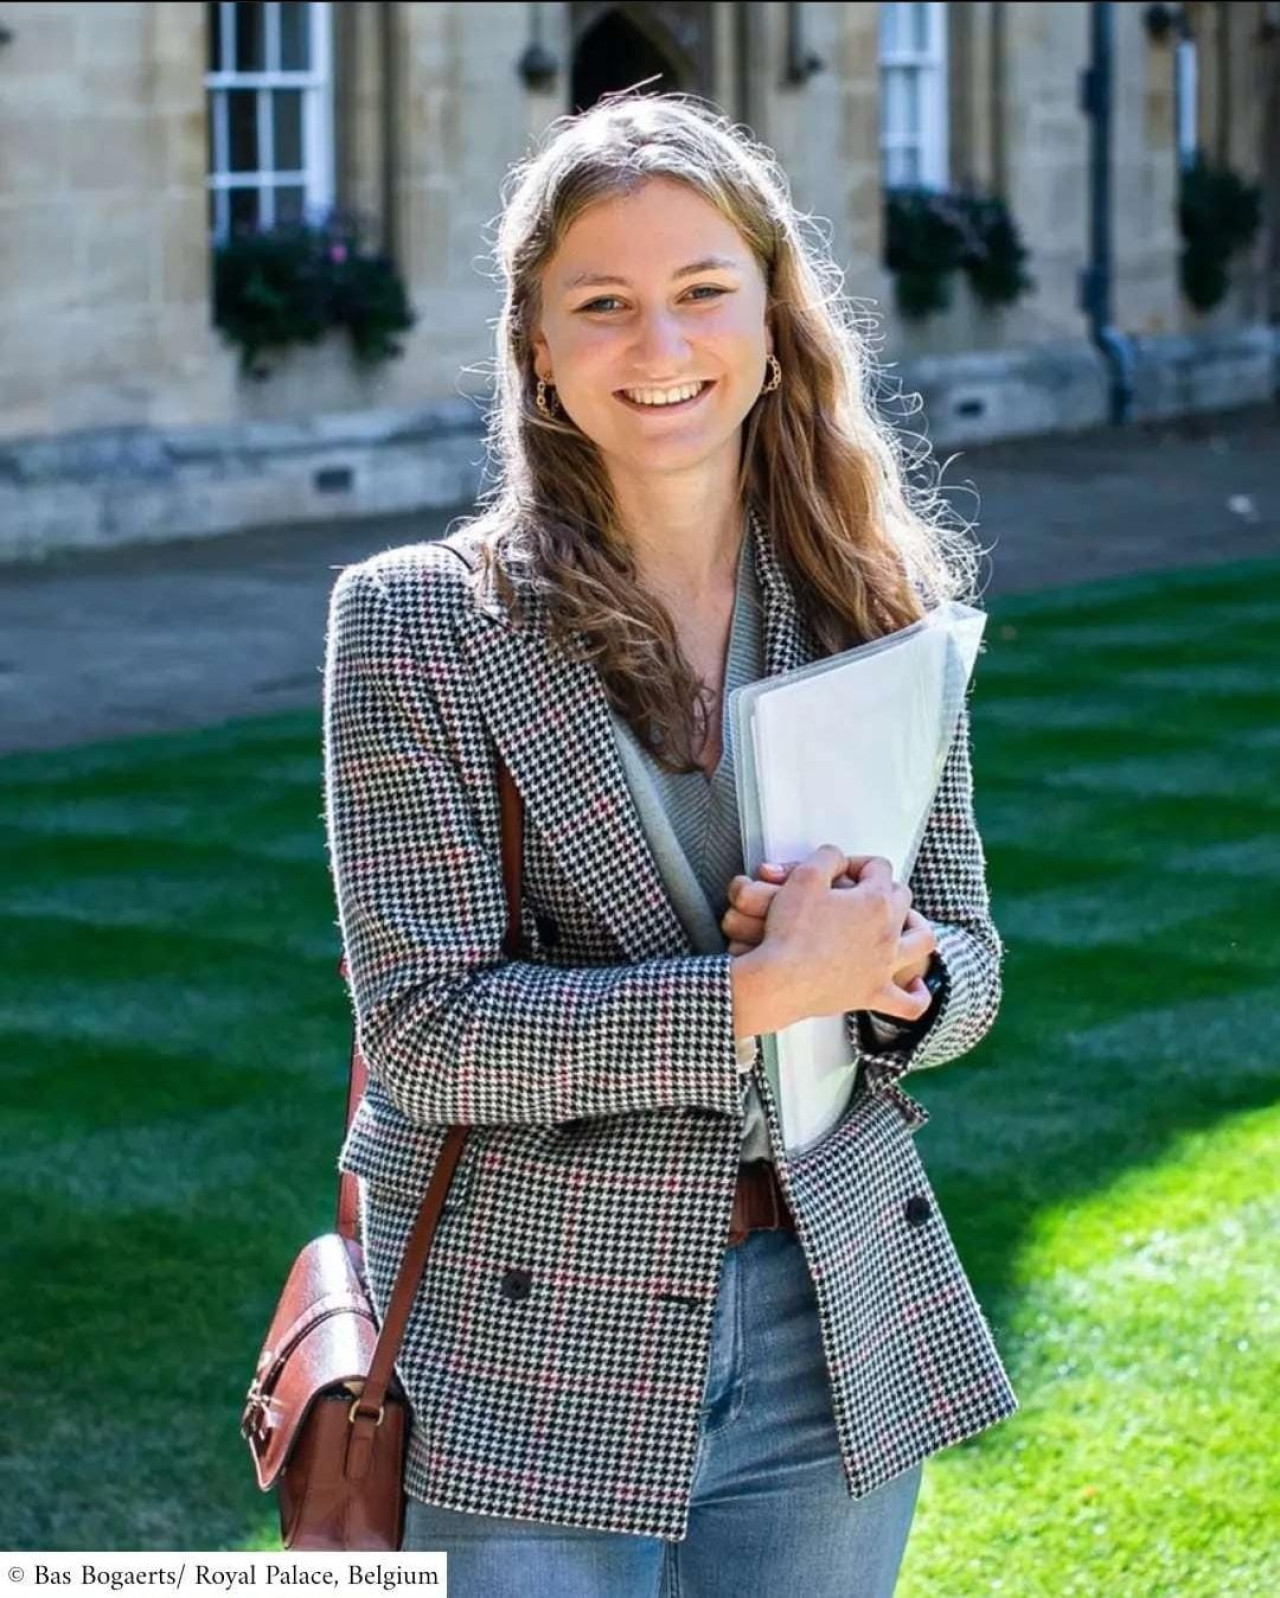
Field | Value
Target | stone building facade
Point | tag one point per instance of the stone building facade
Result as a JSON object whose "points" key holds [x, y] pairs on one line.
{"points": [[133, 135]]}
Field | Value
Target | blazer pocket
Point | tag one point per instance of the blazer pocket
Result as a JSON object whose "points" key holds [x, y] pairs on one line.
{"points": [[393, 1155]]}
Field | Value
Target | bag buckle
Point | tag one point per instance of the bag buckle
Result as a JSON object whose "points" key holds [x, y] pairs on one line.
{"points": [[255, 1422]]}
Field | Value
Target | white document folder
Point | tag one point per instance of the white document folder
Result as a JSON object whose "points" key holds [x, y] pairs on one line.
{"points": [[848, 751]]}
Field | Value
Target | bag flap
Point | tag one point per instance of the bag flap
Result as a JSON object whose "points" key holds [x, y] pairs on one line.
{"points": [[323, 1333]]}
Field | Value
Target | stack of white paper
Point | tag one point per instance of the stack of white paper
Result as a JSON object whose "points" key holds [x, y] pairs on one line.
{"points": [[847, 751]]}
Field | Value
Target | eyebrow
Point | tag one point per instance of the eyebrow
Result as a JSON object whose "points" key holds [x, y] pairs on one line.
{"points": [[709, 263]]}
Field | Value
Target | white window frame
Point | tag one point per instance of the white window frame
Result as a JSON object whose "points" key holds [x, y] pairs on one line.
{"points": [[315, 177], [929, 138], [1186, 74]]}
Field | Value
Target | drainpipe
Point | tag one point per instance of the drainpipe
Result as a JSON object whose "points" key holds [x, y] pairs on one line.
{"points": [[1096, 281], [742, 50], [389, 72]]}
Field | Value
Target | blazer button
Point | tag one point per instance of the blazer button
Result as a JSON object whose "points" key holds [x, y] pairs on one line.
{"points": [[516, 1284], [918, 1209], [548, 929]]}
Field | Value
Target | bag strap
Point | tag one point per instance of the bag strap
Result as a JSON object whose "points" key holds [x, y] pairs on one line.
{"points": [[418, 1247]]}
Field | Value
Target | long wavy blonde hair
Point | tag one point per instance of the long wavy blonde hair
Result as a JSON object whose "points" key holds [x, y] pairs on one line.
{"points": [[865, 551]]}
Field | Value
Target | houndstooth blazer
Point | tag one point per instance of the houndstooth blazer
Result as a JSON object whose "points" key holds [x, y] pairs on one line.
{"points": [[556, 1353]]}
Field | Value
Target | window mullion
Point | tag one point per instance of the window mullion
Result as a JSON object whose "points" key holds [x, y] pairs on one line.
{"points": [[271, 37], [221, 162], [266, 161]]}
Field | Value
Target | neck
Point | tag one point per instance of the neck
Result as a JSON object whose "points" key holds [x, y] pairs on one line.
{"points": [[685, 537]]}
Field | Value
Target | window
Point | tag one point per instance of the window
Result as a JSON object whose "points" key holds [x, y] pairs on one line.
{"points": [[913, 96], [270, 114]]}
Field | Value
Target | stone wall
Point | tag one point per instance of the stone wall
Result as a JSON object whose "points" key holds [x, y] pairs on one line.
{"points": [[105, 324]]}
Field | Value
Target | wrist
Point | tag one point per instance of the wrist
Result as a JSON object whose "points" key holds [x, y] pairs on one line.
{"points": [[757, 993]]}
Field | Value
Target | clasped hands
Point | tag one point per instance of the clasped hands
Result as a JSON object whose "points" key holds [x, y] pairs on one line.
{"points": [[746, 922]]}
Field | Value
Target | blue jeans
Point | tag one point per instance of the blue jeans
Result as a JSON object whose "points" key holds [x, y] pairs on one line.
{"points": [[770, 1509]]}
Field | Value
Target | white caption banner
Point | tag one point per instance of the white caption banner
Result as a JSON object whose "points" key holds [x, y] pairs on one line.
{"points": [[224, 1573]]}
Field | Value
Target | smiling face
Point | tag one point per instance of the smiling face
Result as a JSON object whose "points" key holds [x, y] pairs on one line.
{"points": [[683, 307]]}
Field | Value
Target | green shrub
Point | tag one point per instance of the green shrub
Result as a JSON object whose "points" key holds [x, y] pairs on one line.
{"points": [[290, 284], [932, 234], [1219, 214]]}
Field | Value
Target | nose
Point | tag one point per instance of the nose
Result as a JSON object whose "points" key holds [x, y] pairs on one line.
{"points": [[661, 349]]}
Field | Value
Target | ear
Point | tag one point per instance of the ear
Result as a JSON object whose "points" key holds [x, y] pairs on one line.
{"points": [[538, 345]]}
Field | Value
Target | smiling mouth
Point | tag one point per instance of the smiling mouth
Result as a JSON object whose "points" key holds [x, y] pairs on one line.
{"points": [[667, 410]]}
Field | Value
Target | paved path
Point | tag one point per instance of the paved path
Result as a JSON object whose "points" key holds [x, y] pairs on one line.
{"points": [[114, 643]]}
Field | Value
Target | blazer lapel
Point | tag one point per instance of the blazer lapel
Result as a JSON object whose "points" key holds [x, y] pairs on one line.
{"points": [[549, 717]]}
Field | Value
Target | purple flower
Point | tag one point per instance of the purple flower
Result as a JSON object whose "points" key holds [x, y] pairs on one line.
{"points": [[338, 253]]}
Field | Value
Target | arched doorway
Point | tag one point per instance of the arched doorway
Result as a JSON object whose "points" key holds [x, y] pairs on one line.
{"points": [[618, 45]]}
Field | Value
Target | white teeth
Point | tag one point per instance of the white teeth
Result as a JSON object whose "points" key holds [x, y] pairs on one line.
{"points": [[659, 396]]}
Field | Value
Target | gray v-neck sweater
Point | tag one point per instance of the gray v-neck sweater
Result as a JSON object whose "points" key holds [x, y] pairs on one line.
{"points": [[691, 821]]}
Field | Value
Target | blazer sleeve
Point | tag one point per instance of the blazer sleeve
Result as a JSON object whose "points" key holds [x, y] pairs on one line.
{"points": [[949, 888], [454, 1030]]}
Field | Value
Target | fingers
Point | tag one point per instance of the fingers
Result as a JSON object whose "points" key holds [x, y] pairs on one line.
{"points": [[743, 923], [917, 943], [752, 898], [858, 867], [905, 1004], [744, 920], [744, 928], [822, 867], [872, 874], [869, 867]]}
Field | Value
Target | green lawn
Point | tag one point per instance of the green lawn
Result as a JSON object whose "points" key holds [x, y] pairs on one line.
{"points": [[174, 1054]]}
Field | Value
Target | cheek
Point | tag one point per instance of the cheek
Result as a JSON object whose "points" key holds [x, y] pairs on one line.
{"points": [[736, 339], [591, 349]]}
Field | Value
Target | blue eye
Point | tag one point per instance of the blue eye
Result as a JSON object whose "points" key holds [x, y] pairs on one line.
{"points": [[709, 288]]}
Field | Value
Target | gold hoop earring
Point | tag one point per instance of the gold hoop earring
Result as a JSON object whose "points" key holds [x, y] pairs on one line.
{"points": [[775, 375], [547, 410]]}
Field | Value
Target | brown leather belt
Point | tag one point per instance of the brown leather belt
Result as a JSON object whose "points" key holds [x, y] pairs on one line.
{"points": [[758, 1204]]}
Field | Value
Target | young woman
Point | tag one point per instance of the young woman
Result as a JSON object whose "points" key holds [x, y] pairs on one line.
{"points": [[651, 1353]]}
